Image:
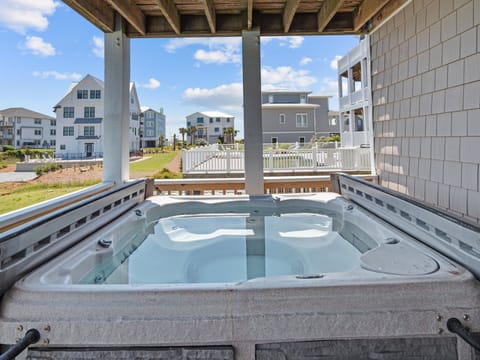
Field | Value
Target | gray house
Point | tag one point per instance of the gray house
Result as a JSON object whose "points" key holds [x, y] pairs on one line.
{"points": [[153, 126], [295, 116]]}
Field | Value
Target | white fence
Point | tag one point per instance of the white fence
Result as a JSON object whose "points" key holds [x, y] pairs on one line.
{"points": [[211, 160]]}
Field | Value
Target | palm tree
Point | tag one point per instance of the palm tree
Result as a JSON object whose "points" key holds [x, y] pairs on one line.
{"points": [[229, 134], [183, 131], [191, 131], [161, 142]]}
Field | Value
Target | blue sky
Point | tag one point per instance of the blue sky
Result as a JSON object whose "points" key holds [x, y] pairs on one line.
{"points": [[46, 45]]}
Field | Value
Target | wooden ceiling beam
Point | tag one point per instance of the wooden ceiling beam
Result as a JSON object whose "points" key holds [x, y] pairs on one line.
{"points": [[289, 13], [131, 13], [209, 8], [388, 10], [327, 12], [171, 14], [249, 14], [366, 11], [95, 11]]}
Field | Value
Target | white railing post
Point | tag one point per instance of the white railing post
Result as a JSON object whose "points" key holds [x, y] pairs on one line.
{"points": [[228, 161], [314, 157], [270, 160]]}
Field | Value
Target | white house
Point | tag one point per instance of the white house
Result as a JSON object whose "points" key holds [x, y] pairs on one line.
{"points": [[153, 126], [22, 127], [209, 125], [355, 104], [80, 120]]}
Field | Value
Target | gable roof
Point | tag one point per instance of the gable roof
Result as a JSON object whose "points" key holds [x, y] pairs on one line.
{"points": [[74, 85], [26, 113], [212, 114]]}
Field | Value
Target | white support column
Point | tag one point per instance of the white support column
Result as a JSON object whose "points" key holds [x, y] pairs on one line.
{"points": [[252, 112], [117, 105]]}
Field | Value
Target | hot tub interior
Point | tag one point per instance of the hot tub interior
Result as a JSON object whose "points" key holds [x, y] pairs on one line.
{"points": [[184, 242]]}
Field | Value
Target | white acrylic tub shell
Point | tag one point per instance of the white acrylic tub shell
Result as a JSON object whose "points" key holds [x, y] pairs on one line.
{"points": [[398, 288]]}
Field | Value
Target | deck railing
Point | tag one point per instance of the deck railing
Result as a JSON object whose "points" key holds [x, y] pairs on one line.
{"points": [[210, 160], [236, 186]]}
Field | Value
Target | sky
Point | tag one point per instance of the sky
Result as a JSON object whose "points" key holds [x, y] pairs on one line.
{"points": [[46, 46]]}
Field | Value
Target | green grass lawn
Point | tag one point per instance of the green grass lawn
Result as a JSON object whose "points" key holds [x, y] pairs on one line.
{"points": [[32, 194], [29, 194], [154, 164]]}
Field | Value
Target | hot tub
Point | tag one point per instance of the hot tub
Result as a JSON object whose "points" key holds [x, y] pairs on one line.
{"points": [[268, 277]]}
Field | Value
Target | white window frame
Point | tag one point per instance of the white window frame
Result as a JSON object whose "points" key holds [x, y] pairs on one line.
{"points": [[89, 131], [281, 119], [301, 120]]}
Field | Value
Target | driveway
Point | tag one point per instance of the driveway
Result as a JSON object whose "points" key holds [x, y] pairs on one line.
{"points": [[17, 176]]}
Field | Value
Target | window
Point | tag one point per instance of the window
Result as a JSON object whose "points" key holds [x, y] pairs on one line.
{"points": [[82, 94], [217, 129], [189, 123], [19, 132], [274, 140], [303, 99], [38, 132], [302, 120], [150, 123], [301, 139], [211, 120], [228, 120], [217, 119], [68, 112], [270, 98], [282, 119], [89, 131], [53, 132], [62, 147], [53, 122], [150, 133], [52, 142], [132, 100], [68, 131], [37, 121], [332, 121], [200, 120], [95, 94], [19, 120], [89, 112]]}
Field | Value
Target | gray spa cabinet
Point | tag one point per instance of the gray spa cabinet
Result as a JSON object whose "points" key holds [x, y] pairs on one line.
{"points": [[394, 305]]}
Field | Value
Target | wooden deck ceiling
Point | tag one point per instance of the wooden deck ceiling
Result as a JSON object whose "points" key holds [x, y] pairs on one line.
{"points": [[180, 18]]}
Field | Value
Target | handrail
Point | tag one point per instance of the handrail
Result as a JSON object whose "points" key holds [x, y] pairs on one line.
{"points": [[455, 326], [31, 337]]}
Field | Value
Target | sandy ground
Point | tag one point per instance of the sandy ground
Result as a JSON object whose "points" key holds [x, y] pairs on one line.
{"points": [[77, 174]]}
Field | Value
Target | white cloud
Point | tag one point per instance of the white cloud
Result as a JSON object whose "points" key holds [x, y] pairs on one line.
{"points": [[152, 84], [232, 44], [216, 57], [227, 97], [334, 62], [286, 77], [293, 42], [218, 50], [37, 46], [57, 75], [22, 15], [98, 46], [305, 60]]}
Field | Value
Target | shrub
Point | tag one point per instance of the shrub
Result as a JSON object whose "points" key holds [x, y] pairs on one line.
{"points": [[39, 170], [8, 148], [167, 174]]}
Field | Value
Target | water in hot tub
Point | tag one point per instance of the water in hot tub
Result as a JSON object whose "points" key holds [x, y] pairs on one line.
{"points": [[218, 248]]}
